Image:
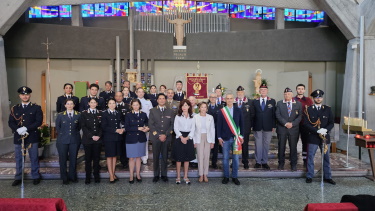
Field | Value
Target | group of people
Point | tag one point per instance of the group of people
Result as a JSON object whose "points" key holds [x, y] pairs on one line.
{"points": [[125, 121]]}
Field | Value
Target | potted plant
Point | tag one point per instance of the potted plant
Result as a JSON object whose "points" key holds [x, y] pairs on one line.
{"points": [[44, 138]]}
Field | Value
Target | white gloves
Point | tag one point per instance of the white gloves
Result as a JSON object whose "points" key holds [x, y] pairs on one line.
{"points": [[322, 131], [22, 131]]}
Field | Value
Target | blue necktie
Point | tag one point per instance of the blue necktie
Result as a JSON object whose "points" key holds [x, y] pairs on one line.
{"points": [[263, 105]]}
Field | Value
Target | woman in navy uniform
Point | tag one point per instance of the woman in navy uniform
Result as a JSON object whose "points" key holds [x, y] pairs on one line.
{"points": [[136, 126], [127, 95], [60, 103], [92, 139], [112, 134], [153, 95], [68, 141]]}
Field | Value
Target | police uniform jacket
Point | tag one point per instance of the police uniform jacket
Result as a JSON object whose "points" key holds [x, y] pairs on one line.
{"points": [[123, 108], [326, 118], [91, 126], [248, 112], [153, 99], [264, 120], [60, 103], [84, 105], [110, 123], [213, 111], [31, 117], [179, 98], [283, 117], [132, 122], [127, 100], [68, 129], [106, 96], [160, 122]]}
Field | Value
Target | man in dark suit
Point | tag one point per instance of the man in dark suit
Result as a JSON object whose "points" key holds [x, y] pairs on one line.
{"points": [[161, 128], [214, 109], [179, 94], [288, 115], [248, 113], [107, 93], [122, 108], [84, 105], [264, 122], [226, 136], [24, 120], [318, 120]]}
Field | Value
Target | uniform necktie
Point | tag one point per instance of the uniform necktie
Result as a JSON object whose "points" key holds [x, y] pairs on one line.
{"points": [[218, 101], [240, 104], [24, 106], [69, 97], [318, 108], [162, 109], [289, 109], [263, 104], [70, 115]]}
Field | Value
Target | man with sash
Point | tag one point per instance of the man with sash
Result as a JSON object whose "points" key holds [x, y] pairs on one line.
{"points": [[229, 129]]}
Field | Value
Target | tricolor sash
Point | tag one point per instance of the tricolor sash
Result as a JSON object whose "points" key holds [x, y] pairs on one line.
{"points": [[237, 146]]}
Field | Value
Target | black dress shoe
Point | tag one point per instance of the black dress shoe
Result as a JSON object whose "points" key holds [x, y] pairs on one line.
{"points": [[330, 181], [294, 168], [280, 167], [139, 180], [308, 180], [74, 180], [225, 180], [16, 182], [65, 182], [116, 178], [246, 166], [164, 178], [87, 181], [236, 181], [214, 166], [266, 166], [112, 182], [97, 180], [156, 179], [131, 181], [257, 166], [36, 181]]}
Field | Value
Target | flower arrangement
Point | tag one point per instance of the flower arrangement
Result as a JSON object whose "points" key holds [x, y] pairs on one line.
{"points": [[146, 87], [223, 89], [45, 135]]}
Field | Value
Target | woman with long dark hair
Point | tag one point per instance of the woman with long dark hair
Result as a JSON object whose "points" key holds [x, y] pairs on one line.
{"points": [[68, 94]]}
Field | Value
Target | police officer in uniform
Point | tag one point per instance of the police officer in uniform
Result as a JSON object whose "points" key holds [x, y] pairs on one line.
{"points": [[248, 112], [60, 104], [24, 120], [153, 95], [84, 105], [161, 128], [127, 96], [220, 99], [90, 122], [179, 95], [68, 141], [108, 93], [318, 120], [214, 109], [171, 103], [122, 108]]}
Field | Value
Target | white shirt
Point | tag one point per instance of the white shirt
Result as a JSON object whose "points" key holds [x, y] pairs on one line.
{"points": [[203, 126], [93, 110], [25, 104], [146, 105], [182, 124], [261, 100], [318, 107]]}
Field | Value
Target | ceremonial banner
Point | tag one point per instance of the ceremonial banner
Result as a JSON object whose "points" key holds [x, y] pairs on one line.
{"points": [[196, 85]]}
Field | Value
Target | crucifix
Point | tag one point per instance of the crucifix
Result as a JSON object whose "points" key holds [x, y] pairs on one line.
{"points": [[47, 44]]}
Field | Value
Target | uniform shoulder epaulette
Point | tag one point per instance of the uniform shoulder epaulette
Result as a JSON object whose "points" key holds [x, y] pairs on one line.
{"points": [[62, 112], [148, 99], [84, 111], [76, 112]]}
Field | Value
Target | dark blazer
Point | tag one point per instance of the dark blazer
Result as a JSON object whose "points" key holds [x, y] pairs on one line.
{"points": [[153, 99], [31, 117], [60, 103], [176, 97], [283, 117], [222, 129], [160, 122], [84, 105], [91, 126], [132, 94], [68, 128], [110, 123], [123, 109], [132, 122], [127, 100], [106, 96], [326, 118], [248, 113], [264, 120], [214, 111]]}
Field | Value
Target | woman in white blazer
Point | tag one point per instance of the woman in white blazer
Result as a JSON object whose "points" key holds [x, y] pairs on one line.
{"points": [[204, 139]]}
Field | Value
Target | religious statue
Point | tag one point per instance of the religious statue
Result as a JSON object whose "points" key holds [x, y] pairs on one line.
{"points": [[257, 80], [179, 28]]}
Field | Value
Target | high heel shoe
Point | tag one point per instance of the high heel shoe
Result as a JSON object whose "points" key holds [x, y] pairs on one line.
{"points": [[187, 181], [178, 181], [139, 180], [131, 181], [116, 178], [111, 181]]}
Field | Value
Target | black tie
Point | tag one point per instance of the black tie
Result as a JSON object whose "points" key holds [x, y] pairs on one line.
{"points": [[162, 110], [24, 106], [179, 94], [70, 115], [318, 108]]}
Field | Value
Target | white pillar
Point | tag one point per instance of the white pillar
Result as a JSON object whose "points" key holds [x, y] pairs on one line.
{"points": [[77, 15], [280, 18]]}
